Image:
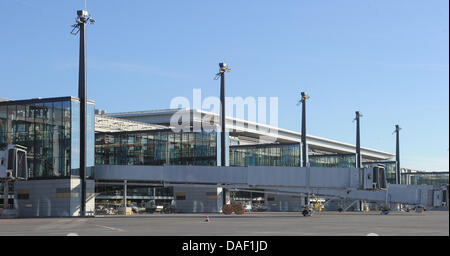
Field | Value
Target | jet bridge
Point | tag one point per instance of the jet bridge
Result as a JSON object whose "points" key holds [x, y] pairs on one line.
{"points": [[367, 184]]}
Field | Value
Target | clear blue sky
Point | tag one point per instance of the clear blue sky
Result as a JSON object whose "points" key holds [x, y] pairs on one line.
{"points": [[388, 59]]}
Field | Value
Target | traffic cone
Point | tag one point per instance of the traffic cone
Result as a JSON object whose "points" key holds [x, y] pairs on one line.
{"points": [[207, 218]]}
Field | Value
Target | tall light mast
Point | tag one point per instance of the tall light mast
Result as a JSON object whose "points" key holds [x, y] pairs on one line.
{"points": [[398, 179], [358, 140], [223, 68], [303, 99], [82, 19]]}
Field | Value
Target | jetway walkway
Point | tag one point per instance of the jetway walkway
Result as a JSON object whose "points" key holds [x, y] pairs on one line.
{"points": [[345, 183]]}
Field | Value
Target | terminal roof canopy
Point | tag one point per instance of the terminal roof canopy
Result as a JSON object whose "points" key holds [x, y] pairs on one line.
{"points": [[245, 131], [110, 124]]}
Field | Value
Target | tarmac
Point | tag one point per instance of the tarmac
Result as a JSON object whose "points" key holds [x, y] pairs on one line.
{"points": [[428, 223]]}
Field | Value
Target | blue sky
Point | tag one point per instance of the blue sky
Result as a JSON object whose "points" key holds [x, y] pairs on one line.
{"points": [[387, 59]]}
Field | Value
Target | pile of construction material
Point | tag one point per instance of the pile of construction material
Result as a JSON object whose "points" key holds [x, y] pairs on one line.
{"points": [[238, 209]]}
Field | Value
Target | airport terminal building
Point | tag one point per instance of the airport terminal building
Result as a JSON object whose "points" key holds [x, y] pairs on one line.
{"points": [[122, 146]]}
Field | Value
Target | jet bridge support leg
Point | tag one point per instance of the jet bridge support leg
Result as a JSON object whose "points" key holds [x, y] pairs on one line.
{"points": [[5, 195], [307, 209]]}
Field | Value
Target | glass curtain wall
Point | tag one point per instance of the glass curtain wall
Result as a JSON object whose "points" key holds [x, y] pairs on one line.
{"points": [[424, 178], [265, 155], [107, 191], [389, 167], [45, 127], [333, 160], [155, 147], [110, 197]]}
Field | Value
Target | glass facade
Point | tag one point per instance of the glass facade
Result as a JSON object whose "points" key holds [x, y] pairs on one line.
{"points": [[389, 167], [333, 160], [110, 197], [265, 155], [155, 147], [424, 178], [107, 191], [50, 132]]}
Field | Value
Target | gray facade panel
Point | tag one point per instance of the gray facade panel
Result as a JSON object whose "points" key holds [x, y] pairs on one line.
{"points": [[51, 198], [198, 199]]}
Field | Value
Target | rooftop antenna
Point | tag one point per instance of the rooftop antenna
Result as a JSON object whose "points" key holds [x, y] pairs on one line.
{"points": [[81, 20]]}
